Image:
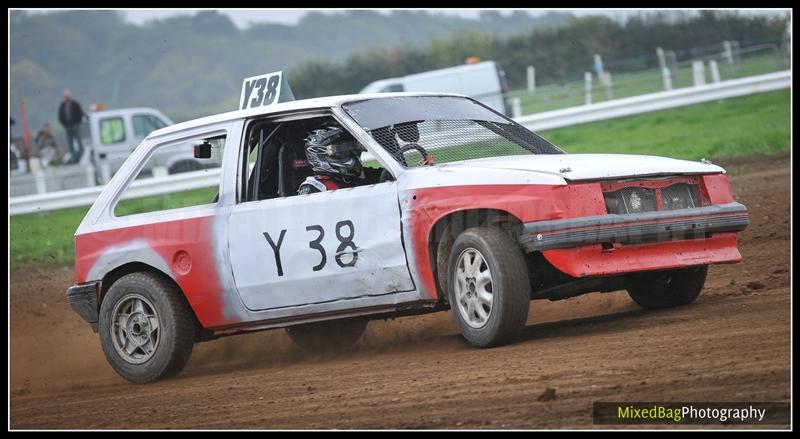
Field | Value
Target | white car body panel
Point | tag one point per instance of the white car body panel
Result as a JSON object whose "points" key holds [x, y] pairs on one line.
{"points": [[294, 225]]}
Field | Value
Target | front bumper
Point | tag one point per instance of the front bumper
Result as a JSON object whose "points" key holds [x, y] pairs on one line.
{"points": [[643, 228], [83, 300]]}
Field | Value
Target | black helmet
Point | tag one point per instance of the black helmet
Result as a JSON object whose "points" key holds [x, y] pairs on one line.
{"points": [[333, 151]]}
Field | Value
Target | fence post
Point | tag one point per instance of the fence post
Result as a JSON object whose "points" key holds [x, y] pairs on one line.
{"points": [[531, 79], [735, 52], [160, 171], [598, 65], [39, 176], [90, 179], [605, 79], [727, 52], [667, 75], [698, 73], [587, 78], [672, 61], [787, 40], [662, 62], [712, 65], [516, 107], [105, 172]]}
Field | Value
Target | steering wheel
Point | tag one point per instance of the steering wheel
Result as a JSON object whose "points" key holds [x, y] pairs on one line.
{"points": [[427, 159]]}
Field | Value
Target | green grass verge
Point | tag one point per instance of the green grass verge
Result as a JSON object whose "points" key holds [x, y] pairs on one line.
{"points": [[757, 124], [47, 238], [194, 197]]}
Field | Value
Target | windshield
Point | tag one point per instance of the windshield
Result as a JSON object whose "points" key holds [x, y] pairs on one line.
{"points": [[447, 128]]}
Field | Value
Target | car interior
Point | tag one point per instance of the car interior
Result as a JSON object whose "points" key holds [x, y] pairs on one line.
{"points": [[283, 164]]}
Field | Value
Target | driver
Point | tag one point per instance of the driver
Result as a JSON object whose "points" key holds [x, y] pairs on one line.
{"points": [[334, 157]]}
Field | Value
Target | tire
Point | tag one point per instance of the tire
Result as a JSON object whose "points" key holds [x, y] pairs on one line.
{"points": [[504, 316], [664, 289], [328, 336], [184, 166], [141, 354]]}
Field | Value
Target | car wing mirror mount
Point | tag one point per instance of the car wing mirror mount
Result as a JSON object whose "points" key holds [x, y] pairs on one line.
{"points": [[202, 150]]}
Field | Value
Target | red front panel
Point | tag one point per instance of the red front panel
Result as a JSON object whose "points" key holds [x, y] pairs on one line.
{"points": [[526, 202], [544, 202], [592, 260]]}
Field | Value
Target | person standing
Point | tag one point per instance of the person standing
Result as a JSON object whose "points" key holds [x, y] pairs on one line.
{"points": [[70, 114]]}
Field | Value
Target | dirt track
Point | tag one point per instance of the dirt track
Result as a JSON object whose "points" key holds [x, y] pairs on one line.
{"points": [[732, 344]]}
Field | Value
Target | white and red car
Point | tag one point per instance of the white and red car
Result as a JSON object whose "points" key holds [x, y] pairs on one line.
{"points": [[468, 211]]}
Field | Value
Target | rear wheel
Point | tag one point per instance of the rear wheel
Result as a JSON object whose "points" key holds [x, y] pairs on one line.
{"points": [[328, 336], [147, 330], [488, 286], [664, 289]]}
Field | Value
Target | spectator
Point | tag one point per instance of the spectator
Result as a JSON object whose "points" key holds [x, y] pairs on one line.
{"points": [[46, 146], [70, 114]]}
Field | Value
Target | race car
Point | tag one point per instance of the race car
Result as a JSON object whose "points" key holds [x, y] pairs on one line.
{"points": [[456, 207]]}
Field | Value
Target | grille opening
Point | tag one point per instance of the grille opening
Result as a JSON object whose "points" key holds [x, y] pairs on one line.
{"points": [[680, 196], [630, 200], [640, 198]]}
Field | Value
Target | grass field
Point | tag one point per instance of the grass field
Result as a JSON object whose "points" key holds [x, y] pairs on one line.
{"points": [[46, 238], [553, 97], [757, 124]]}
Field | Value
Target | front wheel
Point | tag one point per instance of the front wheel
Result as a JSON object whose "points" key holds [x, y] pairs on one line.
{"points": [[147, 330], [664, 289], [328, 336], [488, 286]]}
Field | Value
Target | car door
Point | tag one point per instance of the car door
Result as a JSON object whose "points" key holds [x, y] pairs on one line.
{"points": [[318, 248], [321, 247]]}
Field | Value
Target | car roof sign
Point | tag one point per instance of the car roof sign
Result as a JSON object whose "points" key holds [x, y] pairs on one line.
{"points": [[264, 90]]}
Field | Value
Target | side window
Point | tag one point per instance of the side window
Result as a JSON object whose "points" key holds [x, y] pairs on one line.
{"points": [[144, 124], [173, 158], [281, 166], [112, 130]]}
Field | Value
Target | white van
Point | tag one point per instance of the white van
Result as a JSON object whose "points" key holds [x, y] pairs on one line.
{"points": [[483, 81], [109, 137]]}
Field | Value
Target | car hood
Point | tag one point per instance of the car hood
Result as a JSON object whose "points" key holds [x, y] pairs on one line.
{"points": [[591, 166]]}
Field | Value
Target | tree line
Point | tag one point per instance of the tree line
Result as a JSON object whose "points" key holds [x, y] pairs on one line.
{"points": [[191, 66], [559, 54]]}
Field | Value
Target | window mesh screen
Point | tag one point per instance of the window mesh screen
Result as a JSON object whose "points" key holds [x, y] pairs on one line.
{"points": [[455, 140], [630, 200], [680, 196]]}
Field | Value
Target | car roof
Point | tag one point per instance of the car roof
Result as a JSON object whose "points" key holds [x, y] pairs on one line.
{"points": [[304, 104]]}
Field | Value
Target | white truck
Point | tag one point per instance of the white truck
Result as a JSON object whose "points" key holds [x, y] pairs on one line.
{"points": [[108, 139], [484, 81]]}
